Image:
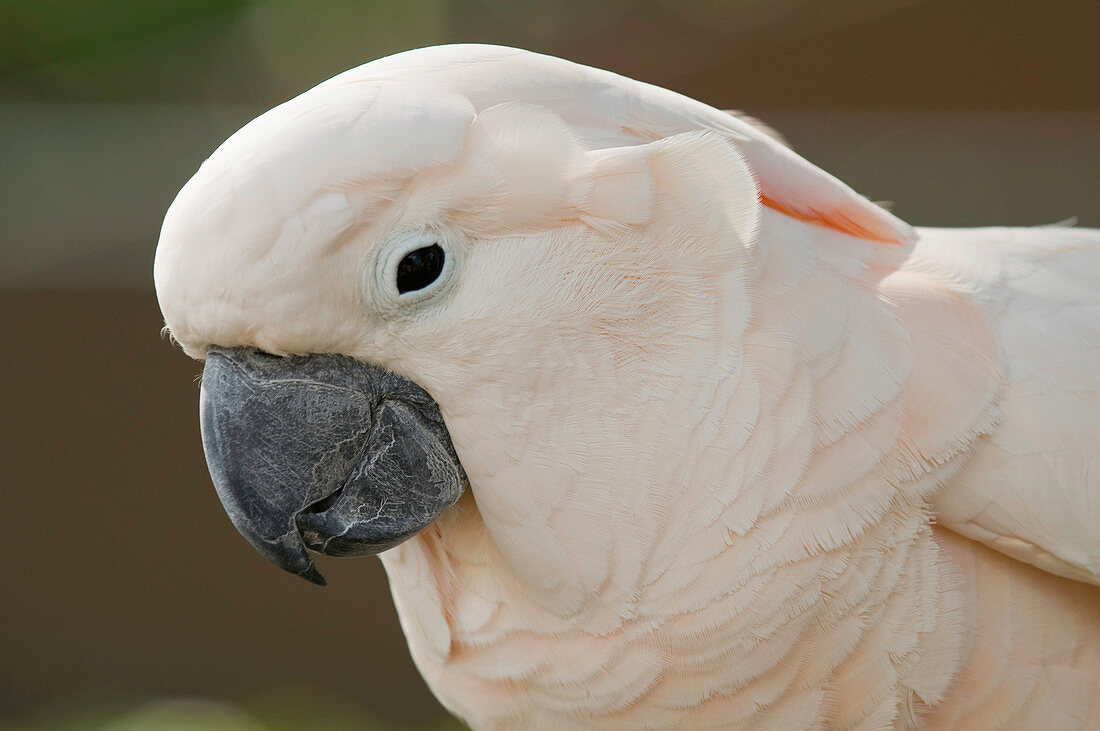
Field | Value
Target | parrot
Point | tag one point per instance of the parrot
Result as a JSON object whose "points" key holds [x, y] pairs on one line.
{"points": [[652, 422]]}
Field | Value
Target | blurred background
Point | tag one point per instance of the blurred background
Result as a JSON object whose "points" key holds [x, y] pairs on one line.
{"points": [[127, 599]]}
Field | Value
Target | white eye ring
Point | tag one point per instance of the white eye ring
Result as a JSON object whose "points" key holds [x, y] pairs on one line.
{"points": [[394, 251]]}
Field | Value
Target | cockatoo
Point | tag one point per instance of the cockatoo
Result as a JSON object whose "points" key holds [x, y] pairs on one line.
{"points": [[657, 423]]}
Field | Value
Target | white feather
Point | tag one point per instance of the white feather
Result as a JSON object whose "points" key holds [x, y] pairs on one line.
{"points": [[717, 410]]}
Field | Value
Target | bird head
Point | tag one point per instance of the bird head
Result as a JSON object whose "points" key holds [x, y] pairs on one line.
{"points": [[472, 268]]}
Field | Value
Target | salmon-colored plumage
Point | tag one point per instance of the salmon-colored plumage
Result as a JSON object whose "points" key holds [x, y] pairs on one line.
{"points": [[836, 220], [744, 449]]}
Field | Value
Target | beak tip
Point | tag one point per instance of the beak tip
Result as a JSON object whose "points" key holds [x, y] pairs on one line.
{"points": [[313, 576]]}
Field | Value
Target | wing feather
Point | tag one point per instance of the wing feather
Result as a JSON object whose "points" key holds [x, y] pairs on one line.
{"points": [[1031, 489]]}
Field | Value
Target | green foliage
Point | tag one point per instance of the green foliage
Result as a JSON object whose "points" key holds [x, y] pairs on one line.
{"points": [[255, 51], [40, 32], [296, 708], [199, 50]]}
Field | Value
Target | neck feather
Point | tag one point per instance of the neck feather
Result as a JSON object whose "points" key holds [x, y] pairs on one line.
{"points": [[781, 553]]}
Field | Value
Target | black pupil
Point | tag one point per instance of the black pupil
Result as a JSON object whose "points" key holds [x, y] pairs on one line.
{"points": [[419, 268]]}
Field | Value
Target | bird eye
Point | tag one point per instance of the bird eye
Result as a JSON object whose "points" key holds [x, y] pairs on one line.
{"points": [[419, 268]]}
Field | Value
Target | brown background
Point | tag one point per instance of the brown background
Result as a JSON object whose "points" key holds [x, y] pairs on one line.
{"points": [[123, 581]]}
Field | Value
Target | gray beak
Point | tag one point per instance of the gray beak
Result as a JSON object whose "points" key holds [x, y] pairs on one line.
{"points": [[323, 452]]}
